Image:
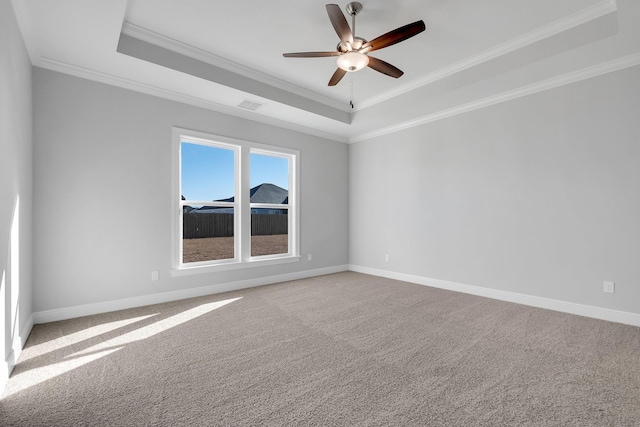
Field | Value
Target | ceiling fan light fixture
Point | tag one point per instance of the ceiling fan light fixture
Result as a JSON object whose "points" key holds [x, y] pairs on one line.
{"points": [[352, 61], [352, 51]]}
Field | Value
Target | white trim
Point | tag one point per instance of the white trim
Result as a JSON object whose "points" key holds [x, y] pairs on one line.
{"points": [[7, 365], [242, 225], [18, 345], [268, 206], [624, 317], [181, 136], [96, 76], [208, 203], [226, 265], [185, 49], [4, 375], [581, 17], [554, 82], [144, 300], [243, 230], [26, 330]]}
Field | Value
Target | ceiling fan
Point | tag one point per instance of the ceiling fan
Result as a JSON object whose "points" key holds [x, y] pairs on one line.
{"points": [[353, 52]]}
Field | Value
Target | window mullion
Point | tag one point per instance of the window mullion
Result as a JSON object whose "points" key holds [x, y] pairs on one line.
{"points": [[244, 205], [293, 217]]}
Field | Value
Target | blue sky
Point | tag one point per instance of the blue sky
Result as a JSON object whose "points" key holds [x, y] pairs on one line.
{"points": [[207, 172]]}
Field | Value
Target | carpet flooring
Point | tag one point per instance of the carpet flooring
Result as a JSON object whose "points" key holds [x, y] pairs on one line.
{"points": [[343, 349]]}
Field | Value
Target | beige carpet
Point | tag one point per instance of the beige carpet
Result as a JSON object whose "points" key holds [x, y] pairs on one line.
{"points": [[344, 349]]}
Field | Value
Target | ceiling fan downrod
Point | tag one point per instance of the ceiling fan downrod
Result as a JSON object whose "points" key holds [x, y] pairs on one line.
{"points": [[353, 9]]}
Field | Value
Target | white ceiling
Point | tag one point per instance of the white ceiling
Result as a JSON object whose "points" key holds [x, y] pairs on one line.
{"points": [[472, 54]]}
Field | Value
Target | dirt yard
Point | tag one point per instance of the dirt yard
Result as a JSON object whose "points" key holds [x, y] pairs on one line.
{"points": [[212, 248]]}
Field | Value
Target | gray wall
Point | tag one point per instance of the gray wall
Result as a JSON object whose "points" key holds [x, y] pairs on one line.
{"points": [[102, 185], [539, 196], [16, 150]]}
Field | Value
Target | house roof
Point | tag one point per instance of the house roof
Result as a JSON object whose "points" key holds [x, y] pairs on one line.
{"points": [[265, 193], [269, 193]]}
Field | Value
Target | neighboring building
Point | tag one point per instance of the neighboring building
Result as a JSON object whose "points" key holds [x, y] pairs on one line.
{"points": [[263, 193], [186, 209]]}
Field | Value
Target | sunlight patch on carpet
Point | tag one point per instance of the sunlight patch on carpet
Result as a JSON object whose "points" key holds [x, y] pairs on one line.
{"points": [[155, 328], [77, 337], [38, 375]]}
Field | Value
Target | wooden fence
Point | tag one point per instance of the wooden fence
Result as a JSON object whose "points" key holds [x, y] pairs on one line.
{"points": [[269, 224], [198, 225]]}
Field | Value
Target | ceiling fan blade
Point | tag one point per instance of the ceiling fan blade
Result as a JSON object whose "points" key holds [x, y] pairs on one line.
{"points": [[384, 67], [340, 23], [310, 54], [337, 76], [395, 36]]}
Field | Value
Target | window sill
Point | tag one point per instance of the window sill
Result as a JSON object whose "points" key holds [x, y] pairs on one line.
{"points": [[204, 269]]}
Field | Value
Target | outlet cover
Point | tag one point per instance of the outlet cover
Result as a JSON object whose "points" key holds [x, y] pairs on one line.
{"points": [[609, 287], [154, 275]]}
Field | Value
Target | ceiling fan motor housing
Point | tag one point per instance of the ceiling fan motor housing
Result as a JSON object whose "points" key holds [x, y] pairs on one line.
{"points": [[358, 42]]}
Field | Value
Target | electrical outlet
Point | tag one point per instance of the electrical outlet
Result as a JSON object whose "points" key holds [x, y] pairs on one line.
{"points": [[154, 275], [609, 287], [386, 257], [309, 257]]}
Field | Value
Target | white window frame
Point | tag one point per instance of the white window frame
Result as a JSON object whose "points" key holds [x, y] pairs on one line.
{"points": [[241, 204]]}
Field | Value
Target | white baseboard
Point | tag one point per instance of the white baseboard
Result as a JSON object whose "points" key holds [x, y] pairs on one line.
{"points": [[125, 303], [6, 366], [18, 344], [530, 300]]}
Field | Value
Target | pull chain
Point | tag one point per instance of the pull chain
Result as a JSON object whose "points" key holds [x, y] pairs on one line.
{"points": [[351, 90]]}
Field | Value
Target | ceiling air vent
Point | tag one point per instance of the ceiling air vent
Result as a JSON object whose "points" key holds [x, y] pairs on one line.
{"points": [[247, 104]]}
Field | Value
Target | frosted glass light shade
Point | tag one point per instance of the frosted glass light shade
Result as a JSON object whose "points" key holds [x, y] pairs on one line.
{"points": [[353, 61]]}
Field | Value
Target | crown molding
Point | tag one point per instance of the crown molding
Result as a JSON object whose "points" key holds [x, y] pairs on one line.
{"points": [[554, 82], [576, 76], [181, 48], [85, 73], [581, 17]]}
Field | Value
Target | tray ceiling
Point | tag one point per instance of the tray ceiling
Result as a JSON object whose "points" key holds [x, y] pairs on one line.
{"points": [[220, 54]]}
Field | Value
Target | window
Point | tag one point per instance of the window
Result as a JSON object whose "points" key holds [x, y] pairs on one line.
{"points": [[269, 199], [235, 203]]}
